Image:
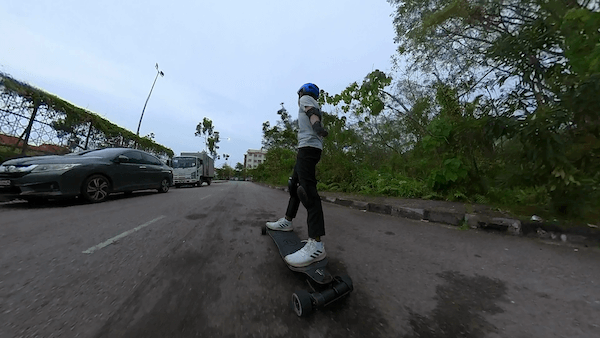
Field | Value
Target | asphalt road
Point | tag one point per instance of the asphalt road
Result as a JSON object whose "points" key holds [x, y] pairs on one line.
{"points": [[192, 263]]}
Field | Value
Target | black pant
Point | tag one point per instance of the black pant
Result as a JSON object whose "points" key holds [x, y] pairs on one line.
{"points": [[304, 174]]}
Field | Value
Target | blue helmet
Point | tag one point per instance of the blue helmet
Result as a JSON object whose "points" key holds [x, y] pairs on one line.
{"points": [[309, 89]]}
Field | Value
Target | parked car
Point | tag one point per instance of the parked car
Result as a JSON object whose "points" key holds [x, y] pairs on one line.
{"points": [[92, 174]]}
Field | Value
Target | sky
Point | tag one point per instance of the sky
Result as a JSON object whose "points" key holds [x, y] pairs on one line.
{"points": [[233, 62]]}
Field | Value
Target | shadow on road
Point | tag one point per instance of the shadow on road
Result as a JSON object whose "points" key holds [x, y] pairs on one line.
{"points": [[68, 202]]}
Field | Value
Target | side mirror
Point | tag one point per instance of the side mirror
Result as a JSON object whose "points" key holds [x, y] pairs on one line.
{"points": [[122, 159]]}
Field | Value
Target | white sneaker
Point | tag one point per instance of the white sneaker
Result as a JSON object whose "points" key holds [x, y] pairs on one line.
{"points": [[281, 225], [311, 252]]}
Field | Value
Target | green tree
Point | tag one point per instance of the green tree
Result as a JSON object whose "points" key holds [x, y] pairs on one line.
{"points": [[211, 136], [276, 168], [530, 58], [497, 100], [282, 135], [225, 172], [240, 171]]}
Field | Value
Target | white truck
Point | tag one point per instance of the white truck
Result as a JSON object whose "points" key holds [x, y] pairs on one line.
{"points": [[193, 169]]}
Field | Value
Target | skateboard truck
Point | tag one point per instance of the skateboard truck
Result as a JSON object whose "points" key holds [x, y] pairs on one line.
{"points": [[304, 302]]}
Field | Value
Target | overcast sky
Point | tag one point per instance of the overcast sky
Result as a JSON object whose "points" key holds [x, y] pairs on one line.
{"points": [[231, 61]]}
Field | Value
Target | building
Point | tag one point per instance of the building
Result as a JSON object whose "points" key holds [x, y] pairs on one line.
{"points": [[254, 157]]}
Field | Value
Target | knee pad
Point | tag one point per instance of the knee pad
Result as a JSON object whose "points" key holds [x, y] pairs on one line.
{"points": [[303, 196], [292, 186]]}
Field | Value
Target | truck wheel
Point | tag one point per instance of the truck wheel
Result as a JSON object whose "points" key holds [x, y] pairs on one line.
{"points": [[208, 181], [301, 303]]}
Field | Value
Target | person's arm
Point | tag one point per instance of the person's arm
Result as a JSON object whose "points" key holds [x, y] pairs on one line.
{"points": [[314, 116]]}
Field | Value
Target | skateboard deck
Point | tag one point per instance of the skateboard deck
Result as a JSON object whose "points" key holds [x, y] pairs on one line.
{"points": [[288, 242]]}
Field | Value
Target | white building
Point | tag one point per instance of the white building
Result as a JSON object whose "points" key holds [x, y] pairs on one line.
{"points": [[254, 157]]}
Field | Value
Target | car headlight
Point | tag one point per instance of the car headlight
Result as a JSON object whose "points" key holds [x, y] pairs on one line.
{"points": [[16, 169], [53, 167]]}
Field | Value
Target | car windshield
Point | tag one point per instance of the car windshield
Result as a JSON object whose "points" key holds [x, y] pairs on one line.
{"points": [[184, 162]]}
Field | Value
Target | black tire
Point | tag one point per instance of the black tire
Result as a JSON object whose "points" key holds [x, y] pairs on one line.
{"points": [[164, 186], [95, 189], [263, 230], [302, 303], [208, 181]]}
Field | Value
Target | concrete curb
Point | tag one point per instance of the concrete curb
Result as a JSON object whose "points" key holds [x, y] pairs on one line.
{"points": [[511, 226]]}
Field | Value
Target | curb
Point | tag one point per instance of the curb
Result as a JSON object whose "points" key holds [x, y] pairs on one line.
{"points": [[511, 226]]}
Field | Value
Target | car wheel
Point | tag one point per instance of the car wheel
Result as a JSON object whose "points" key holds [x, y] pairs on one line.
{"points": [[95, 188], [164, 186]]}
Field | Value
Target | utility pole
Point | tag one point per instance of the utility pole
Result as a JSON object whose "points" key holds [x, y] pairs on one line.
{"points": [[158, 72]]}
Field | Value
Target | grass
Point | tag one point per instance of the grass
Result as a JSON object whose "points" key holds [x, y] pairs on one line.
{"points": [[7, 152], [521, 203]]}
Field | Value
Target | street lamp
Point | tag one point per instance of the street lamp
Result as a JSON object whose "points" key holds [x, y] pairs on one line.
{"points": [[158, 72]]}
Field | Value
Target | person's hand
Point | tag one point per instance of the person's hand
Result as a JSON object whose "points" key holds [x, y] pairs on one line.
{"points": [[318, 128]]}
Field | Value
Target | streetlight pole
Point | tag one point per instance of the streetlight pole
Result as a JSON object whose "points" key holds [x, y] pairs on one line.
{"points": [[158, 72]]}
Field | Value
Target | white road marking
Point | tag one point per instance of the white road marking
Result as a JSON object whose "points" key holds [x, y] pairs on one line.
{"points": [[116, 238], [204, 197]]}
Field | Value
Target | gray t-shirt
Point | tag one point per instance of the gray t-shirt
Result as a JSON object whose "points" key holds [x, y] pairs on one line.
{"points": [[307, 137]]}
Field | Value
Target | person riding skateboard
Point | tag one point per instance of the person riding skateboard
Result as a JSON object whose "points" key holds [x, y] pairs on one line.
{"points": [[303, 183]]}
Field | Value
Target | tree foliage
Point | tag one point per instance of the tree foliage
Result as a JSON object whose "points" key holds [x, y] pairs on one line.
{"points": [[277, 167], [73, 122], [529, 61], [211, 136], [283, 134], [492, 101]]}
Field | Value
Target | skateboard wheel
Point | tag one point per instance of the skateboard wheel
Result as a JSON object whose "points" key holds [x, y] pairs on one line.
{"points": [[302, 303], [348, 281], [263, 230]]}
